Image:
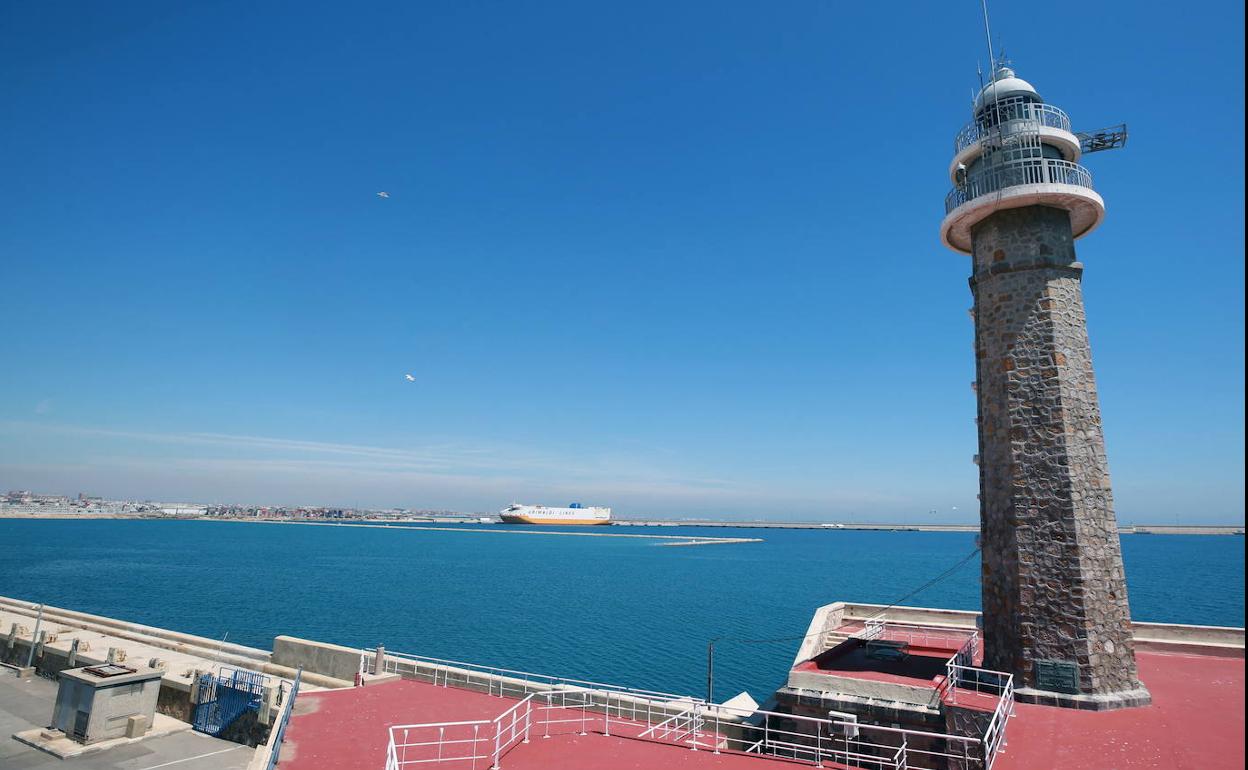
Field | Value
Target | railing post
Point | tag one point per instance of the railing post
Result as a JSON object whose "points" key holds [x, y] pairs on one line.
{"points": [[818, 745], [476, 731], [549, 706], [497, 757], [606, 717], [583, 703], [717, 730]]}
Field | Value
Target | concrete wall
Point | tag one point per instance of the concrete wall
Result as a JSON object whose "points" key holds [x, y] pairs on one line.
{"points": [[921, 695], [1206, 640], [173, 640], [330, 660], [927, 616], [870, 711], [183, 652], [175, 702], [1225, 641]]}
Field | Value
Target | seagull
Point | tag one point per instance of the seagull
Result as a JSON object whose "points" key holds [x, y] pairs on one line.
{"points": [[383, 194], [410, 378]]}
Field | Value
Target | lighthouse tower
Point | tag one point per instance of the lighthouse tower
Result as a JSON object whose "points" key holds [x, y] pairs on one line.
{"points": [[1054, 591]]}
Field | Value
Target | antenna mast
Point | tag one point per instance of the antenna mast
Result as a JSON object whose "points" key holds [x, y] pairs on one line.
{"points": [[992, 62]]}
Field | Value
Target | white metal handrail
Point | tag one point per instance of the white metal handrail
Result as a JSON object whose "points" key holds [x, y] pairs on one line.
{"points": [[512, 727], [1045, 114], [492, 677], [1018, 172], [995, 683], [872, 629], [772, 734], [924, 636], [558, 705], [401, 746], [676, 725], [994, 735]]}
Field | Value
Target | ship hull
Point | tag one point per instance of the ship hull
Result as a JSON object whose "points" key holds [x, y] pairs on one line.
{"points": [[510, 518]]}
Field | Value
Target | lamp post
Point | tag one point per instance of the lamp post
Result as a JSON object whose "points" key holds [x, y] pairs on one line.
{"points": [[710, 670]]}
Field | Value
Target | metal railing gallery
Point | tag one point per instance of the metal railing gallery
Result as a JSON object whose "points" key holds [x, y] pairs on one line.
{"points": [[484, 743], [1010, 110], [920, 635], [1020, 172], [274, 744], [551, 706], [997, 684], [494, 680]]}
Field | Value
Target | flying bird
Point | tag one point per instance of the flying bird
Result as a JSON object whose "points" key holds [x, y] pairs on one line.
{"points": [[383, 194], [410, 378]]}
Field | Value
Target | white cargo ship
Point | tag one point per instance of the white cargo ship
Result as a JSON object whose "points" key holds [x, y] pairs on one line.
{"points": [[575, 513]]}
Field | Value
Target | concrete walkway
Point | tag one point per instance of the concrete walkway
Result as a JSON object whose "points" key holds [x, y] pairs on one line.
{"points": [[28, 704], [181, 654]]}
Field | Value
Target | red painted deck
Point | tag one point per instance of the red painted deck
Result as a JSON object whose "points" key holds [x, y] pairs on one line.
{"points": [[348, 730], [1196, 721]]}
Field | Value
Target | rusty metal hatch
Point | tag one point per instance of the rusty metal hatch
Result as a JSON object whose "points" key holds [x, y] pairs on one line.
{"points": [[109, 669]]}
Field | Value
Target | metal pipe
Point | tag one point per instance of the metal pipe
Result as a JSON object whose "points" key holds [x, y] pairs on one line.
{"points": [[30, 656]]}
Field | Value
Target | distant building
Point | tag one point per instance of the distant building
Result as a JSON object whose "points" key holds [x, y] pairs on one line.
{"points": [[183, 509]]}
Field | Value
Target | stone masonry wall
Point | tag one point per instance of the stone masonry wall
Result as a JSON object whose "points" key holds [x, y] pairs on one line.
{"points": [[1053, 581]]}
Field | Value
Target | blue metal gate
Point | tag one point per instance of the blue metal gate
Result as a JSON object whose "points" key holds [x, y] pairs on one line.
{"points": [[221, 699]]}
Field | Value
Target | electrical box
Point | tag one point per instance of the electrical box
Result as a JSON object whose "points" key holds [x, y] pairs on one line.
{"points": [[849, 728], [95, 703]]}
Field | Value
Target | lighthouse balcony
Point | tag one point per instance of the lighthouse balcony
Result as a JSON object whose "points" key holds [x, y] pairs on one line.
{"points": [[1026, 182], [1021, 172], [1007, 125], [1009, 110]]}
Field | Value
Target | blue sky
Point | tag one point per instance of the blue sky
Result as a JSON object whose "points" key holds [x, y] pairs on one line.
{"points": [[677, 258]]}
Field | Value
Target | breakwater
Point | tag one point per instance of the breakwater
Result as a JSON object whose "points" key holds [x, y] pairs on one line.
{"points": [[668, 540]]}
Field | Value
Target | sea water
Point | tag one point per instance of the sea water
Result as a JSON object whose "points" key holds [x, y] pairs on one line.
{"points": [[617, 610]]}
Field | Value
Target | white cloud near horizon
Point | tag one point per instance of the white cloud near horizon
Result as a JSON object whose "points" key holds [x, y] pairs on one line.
{"points": [[221, 467]]}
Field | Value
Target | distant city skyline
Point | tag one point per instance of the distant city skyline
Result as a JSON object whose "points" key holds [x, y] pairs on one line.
{"points": [[680, 260], [423, 468]]}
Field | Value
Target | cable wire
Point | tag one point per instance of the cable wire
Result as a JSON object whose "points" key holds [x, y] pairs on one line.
{"points": [[942, 576]]}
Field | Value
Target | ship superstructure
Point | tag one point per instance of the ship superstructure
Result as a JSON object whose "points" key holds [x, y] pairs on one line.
{"points": [[574, 514]]}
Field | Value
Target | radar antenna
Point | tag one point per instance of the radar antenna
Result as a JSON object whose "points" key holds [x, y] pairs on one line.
{"points": [[1111, 138]]}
